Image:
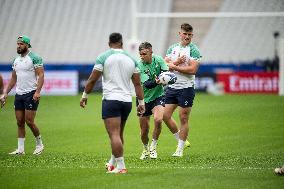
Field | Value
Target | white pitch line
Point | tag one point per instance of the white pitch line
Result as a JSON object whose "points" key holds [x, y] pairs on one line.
{"points": [[133, 167]]}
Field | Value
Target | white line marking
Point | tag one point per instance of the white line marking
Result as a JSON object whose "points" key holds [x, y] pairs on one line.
{"points": [[133, 167]]}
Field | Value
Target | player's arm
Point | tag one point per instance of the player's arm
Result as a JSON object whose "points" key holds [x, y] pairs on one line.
{"points": [[178, 61], [139, 93], [95, 75], [1, 91], [40, 73], [150, 84], [146, 81], [191, 68], [9, 87], [11, 83], [164, 67], [1, 85]]}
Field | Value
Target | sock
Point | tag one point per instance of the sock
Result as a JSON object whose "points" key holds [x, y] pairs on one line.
{"points": [[21, 144], [176, 135], [120, 163], [180, 144], [145, 146], [153, 144], [38, 140], [112, 160]]}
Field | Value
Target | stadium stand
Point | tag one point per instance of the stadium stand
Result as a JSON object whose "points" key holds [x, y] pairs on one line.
{"points": [[243, 40], [72, 31], [75, 32], [200, 25]]}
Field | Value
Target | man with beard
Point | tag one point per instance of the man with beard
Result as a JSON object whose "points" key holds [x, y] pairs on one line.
{"points": [[183, 59], [28, 75]]}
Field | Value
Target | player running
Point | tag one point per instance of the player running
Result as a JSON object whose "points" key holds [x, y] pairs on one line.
{"points": [[151, 66]]}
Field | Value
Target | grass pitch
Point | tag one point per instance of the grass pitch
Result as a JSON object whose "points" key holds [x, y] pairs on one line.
{"points": [[237, 141]]}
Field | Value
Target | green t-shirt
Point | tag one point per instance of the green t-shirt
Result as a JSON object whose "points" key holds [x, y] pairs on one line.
{"points": [[150, 71]]}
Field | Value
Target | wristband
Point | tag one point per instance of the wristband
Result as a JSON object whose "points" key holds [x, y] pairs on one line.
{"points": [[84, 95], [141, 102]]}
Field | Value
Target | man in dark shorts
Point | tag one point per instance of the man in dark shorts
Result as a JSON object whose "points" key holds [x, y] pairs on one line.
{"points": [[151, 67], [118, 69], [183, 59], [28, 74]]}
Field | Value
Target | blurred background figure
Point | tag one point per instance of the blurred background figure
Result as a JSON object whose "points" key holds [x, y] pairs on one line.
{"points": [[1, 91], [1, 85]]}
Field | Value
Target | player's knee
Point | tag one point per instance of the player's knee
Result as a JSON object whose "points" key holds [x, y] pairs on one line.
{"points": [[158, 120], [184, 117], [166, 117], [116, 140], [144, 131], [184, 121], [20, 123], [29, 122]]}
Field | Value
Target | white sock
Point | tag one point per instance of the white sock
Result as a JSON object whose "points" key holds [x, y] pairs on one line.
{"points": [[176, 135], [21, 144], [145, 146], [180, 144], [154, 144], [120, 163], [111, 160], [38, 140]]}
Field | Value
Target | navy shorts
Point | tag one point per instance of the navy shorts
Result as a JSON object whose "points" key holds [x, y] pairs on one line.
{"points": [[150, 105], [25, 102], [182, 97], [115, 108]]}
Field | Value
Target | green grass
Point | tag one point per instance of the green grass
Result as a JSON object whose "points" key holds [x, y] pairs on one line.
{"points": [[237, 141]]}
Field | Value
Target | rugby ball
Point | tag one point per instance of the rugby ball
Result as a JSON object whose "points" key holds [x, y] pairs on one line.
{"points": [[167, 78]]}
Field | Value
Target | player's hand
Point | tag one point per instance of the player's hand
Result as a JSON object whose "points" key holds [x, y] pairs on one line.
{"points": [[180, 60], [140, 109], [3, 99], [172, 66], [157, 80], [36, 96], [83, 102], [168, 59]]}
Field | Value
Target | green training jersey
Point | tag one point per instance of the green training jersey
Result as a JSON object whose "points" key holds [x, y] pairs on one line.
{"points": [[150, 71]]}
